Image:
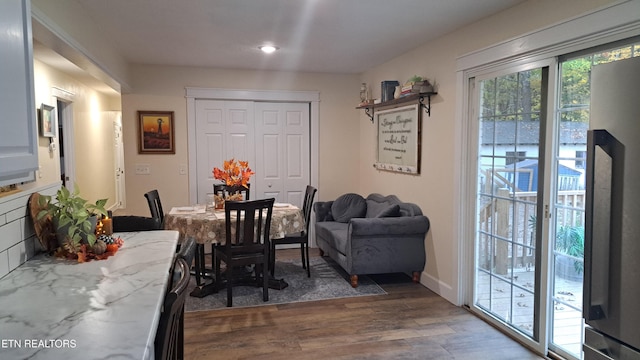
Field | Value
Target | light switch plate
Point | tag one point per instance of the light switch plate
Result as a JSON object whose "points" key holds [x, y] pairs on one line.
{"points": [[143, 169]]}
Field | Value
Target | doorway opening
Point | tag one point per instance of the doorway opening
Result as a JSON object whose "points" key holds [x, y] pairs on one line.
{"points": [[65, 142]]}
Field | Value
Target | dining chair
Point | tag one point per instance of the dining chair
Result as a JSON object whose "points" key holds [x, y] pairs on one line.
{"points": [[247, 225], [187, 250], [301, 237], [224, 190], [126, 223], [155, 206], [169, 341]]}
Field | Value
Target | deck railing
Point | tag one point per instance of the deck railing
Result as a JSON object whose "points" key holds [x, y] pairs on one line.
{"points": [[506, 227]]}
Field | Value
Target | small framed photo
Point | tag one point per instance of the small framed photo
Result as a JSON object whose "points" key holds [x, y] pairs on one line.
{"points": [[156, 133], [47, 121]]}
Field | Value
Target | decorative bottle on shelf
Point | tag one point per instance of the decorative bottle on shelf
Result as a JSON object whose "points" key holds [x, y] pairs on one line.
{"points": [[363, 92], [398, 92]]}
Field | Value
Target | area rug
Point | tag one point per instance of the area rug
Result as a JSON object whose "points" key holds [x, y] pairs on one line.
{"points": [[327, 281]]}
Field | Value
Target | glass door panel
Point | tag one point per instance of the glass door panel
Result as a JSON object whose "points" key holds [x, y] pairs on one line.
{"points": [[509, 138], [572, 118], [507, 279]]}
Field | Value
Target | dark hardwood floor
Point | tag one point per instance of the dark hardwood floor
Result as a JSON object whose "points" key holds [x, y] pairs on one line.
{"points": [[410, 322]]}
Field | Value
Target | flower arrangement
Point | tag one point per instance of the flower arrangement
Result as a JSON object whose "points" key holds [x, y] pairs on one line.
{"points": [[74, 220], [234, 173]]}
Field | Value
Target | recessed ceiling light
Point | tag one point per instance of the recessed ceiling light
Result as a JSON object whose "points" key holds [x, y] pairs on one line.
{"points": [[267, 49]]}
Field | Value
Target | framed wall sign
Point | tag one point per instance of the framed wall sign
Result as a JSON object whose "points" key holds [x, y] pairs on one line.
{"points": [[47, 121], [156, 132], [399, 139]]}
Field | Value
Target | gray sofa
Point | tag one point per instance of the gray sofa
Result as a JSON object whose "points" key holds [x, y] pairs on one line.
{"points": [[376, 235]]}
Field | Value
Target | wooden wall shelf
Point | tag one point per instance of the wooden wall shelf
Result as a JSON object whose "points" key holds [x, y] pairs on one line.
{"points": [[369, 109]]}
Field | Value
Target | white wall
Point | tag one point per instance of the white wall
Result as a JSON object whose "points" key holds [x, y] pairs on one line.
{"points": [[64, 26], [163, 88], [434, 190], [92, 134]]}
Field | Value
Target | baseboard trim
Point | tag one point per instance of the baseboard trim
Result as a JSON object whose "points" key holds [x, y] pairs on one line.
{"points": [[439, 287]]}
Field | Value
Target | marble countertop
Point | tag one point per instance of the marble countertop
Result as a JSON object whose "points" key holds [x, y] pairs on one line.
{"points": [[54, 308]]}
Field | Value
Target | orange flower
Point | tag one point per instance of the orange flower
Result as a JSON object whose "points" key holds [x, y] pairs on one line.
{"points": [[234, 173]]}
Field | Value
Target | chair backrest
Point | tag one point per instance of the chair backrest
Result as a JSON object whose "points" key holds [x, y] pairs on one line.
{"points": [[247, 225], [224, 190], [127, 223], [155, 206], [188, 250], [309, 194], [169, 337]]}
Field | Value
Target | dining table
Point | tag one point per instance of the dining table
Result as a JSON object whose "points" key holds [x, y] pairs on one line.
{"points": [[206, 224]]}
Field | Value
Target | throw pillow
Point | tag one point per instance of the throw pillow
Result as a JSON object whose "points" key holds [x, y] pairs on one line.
{"points": [[374, 208], [390, 211], [348, 206]]}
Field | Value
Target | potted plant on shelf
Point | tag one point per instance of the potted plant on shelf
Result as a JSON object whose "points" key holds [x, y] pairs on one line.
{"points": [[74, 219]]}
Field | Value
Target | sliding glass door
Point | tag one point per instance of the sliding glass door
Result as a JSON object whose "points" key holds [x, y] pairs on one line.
{"points": [[509, 123], [530, 191]]}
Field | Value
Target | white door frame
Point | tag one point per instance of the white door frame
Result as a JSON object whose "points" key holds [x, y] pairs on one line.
{"points": [[67, 97], [121, 198], [193, 93]]}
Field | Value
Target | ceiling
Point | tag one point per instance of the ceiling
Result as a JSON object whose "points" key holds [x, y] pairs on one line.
{"points": [[335, 36]]}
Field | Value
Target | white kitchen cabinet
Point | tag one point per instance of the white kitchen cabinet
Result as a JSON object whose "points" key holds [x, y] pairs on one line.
{"points": [[18, 125]]}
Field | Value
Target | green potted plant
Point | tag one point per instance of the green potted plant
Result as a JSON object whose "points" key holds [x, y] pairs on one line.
{"points": [[569, 246], [570, 240], [73, 217]]}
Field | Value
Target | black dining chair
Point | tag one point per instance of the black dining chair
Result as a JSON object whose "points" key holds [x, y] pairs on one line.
{"points": [[169, 341], [247, 228], [225, 190], [126, 223], [301, 237], [188, 250], [155, 206]]}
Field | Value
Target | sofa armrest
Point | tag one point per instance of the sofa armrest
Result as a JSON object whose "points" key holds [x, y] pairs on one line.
{"points": [[404, 225], [323, 210]]}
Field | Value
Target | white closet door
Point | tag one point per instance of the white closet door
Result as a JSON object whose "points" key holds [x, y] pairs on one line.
{"points": [[224, 130], [282, 144], [269, 168]]}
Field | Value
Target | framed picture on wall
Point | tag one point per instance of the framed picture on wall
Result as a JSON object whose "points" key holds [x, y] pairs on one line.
{"points": [[47, 121], [399, 134], [156, 132]]}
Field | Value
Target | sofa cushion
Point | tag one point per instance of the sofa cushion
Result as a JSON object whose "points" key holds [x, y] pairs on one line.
{"points": [[390, 211], [374, 208], [334, 233], [348, 206]]}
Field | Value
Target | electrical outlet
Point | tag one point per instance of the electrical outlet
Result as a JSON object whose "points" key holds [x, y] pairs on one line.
{"points": [[143, 169], [183, 169]]}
